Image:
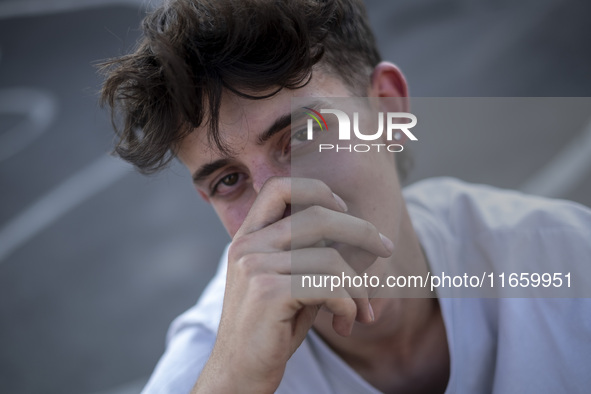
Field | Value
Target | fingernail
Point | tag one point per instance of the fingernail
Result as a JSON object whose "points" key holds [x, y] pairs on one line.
{"points": [[340, 202], [387, 243], [373, 318]]}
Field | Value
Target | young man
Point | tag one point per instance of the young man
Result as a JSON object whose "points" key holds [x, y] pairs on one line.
{"points": [[212, 83]]}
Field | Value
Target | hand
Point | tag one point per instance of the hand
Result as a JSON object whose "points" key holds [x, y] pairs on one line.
{"points": [[261, 324]]}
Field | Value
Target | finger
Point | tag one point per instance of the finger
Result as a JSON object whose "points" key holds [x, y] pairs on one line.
{"points": [[276, 195], [324, 267], [318, 223], [340, 304], [312, 227], [343, 309]]}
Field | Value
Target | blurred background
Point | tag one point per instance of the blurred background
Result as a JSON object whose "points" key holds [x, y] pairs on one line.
{"points": [[96, 260]]}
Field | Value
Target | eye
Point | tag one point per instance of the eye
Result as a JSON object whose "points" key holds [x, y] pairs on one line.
{"points": [[299, 136], [230, 180], [225, 184]]}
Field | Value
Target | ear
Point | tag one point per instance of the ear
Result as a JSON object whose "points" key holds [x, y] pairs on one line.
{"points": [[387, 81]]}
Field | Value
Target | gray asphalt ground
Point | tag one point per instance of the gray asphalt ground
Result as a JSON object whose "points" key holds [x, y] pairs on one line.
{"points": [[96, 260]]}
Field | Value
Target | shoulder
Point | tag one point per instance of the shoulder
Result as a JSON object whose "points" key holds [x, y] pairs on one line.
{"points": [[475, 228], [478, 229], [482, 208], [190, 339]]}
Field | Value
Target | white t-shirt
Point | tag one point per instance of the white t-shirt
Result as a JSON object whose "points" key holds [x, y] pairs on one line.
{"points": [[506, 345]]}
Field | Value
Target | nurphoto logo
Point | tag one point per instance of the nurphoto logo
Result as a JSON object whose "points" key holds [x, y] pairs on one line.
{"points": [[395, 129]]}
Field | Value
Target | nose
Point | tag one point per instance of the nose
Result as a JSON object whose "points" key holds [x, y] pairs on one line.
{"points": [[265, 169]]}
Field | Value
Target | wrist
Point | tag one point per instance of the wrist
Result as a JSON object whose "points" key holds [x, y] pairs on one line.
{"points": [[219, 377]]}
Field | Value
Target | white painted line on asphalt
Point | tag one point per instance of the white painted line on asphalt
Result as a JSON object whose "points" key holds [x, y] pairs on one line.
{"points": [[21, 8], [565, 171], [39, 109], [56, 203]]}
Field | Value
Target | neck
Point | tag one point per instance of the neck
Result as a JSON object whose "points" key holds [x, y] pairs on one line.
{"points": [[411, 357], [405, 348]]}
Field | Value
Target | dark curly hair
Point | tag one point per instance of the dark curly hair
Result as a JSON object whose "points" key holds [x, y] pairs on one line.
{"points": [[194, 50]]}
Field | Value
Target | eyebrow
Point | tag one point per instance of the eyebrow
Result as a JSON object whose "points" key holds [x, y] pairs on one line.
{"points": [[279, 124], [286, 120], [207, 169]]}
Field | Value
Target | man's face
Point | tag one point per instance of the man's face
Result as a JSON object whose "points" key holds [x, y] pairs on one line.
{"points": [[367, 182]]}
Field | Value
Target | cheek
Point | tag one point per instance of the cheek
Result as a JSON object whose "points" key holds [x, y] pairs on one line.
{"points": [[232, 214], [348, 174], [367, 182]]}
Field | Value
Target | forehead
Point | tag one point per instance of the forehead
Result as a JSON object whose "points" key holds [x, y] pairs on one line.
{"points": [[241, 120]]}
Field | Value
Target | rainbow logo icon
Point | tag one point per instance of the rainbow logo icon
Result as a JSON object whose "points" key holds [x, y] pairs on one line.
{"points": [[315, 115]]}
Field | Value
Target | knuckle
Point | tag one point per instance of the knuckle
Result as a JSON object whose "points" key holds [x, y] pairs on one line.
{"points": [[317, 211], [238, 247], [332, 258], [318, 219], [235, 249], [283, 226], [274, 184], [331, 254], [248, 264]]}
